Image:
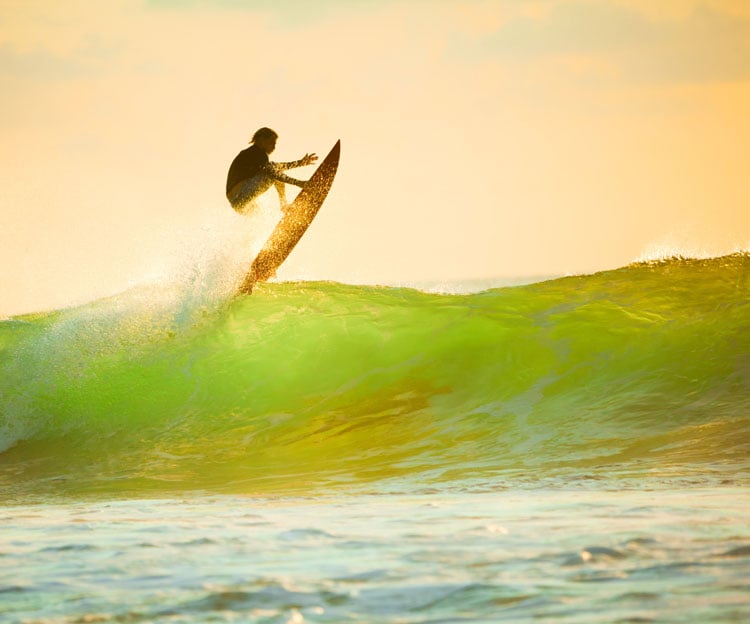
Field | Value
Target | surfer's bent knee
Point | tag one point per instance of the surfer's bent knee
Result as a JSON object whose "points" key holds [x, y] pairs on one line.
{"points": [[242, 197]]}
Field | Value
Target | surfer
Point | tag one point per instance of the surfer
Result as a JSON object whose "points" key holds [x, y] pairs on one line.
{"points": [[251, 174]]}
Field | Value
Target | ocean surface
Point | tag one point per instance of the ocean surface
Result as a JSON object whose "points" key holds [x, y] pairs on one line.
{"points": [[572, 450]]}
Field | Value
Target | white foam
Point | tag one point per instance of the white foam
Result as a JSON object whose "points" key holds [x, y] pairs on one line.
{"points": [[673, 246]]}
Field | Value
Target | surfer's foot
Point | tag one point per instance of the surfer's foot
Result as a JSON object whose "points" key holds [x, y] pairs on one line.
{"points": [[284, 206]]}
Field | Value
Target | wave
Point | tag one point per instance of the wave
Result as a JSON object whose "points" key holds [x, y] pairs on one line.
{"points": [[629, 373]]}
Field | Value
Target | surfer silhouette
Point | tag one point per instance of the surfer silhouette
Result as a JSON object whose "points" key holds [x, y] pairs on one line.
{"points": [[251, 173]]}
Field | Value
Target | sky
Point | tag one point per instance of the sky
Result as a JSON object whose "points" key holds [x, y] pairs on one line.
{"points": [[480, 138]]}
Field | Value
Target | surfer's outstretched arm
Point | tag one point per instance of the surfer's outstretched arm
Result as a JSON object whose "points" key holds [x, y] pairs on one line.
{"points": [[307, 159], [276, 173]]}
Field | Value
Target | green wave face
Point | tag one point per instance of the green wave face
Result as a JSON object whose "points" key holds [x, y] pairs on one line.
{"points": [[311, 386]]}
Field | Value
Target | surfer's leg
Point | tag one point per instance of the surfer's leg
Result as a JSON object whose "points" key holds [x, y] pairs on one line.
{"points": [[245, 207], [243, 199], [281, 190]]}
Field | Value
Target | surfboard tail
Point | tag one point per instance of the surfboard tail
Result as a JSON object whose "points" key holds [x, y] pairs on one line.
{"points": [[246, 288]]}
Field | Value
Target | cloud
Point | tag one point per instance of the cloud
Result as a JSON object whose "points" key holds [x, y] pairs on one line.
{"points": [[40, 41], [90, 60], [285, 13], [706, 45]]}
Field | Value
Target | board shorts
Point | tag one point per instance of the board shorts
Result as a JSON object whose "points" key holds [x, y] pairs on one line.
{"points": [[243, 196]]}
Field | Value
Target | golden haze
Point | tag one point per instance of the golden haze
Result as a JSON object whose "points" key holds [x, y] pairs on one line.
{"points": [[479, 139]]}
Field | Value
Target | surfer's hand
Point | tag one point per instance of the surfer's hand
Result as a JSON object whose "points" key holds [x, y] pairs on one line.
{"points": [[308, 159]]}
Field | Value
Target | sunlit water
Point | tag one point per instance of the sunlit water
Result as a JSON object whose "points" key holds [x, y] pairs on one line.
{"points": [[570, 451], [545, 555]]}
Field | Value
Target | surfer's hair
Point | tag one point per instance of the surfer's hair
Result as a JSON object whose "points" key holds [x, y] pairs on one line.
{"points": [[264, 133]]}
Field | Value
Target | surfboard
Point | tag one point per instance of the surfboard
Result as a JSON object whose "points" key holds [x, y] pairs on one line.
{"points": [[294, 223]]}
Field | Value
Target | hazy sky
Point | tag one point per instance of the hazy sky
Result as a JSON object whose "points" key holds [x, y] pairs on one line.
{"points": [[479, 138]]}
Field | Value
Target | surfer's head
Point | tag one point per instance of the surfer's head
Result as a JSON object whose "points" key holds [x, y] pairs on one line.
{"points": [[265, 138]]}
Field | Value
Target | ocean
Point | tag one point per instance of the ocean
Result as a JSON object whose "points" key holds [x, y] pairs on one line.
{"points": [[571, 450]]}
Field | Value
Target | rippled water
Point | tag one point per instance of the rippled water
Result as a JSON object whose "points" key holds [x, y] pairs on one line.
{"points": [[564, 556]]}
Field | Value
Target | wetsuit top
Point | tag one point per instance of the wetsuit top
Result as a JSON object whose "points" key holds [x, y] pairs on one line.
{"points": [[248, 163], [252, 161]]}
